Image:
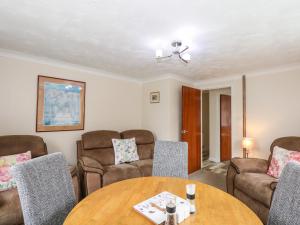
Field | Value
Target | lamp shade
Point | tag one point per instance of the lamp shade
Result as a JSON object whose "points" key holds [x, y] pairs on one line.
{"points": [[158, 53], [247, 142], [186, 56]]}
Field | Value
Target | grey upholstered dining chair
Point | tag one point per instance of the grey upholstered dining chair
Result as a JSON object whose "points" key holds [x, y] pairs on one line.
{"points": [[285, 207], [170, 159], [45, 189]]}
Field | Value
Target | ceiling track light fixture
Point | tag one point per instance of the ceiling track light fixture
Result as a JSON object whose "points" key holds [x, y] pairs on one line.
{"points": [[178, 50]]}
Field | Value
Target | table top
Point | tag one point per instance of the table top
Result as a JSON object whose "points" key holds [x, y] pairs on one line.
{"points": [[114, 203]]}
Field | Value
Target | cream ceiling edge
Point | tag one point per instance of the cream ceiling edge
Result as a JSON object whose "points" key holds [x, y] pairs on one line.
{"points": [[58, 63], [177, 77], [194, 83], [265, 72]]}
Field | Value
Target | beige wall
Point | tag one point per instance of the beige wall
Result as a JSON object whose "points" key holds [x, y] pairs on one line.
{"points": [[214, 122], [156, 115], [163, 118], [110, 103], [272, 108]]}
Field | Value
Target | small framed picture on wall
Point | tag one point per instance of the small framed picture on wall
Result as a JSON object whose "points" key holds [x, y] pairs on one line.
{"points": [[155, 97]]}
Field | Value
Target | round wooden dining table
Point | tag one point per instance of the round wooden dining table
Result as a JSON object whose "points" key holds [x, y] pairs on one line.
{"points": [[114, 203]]}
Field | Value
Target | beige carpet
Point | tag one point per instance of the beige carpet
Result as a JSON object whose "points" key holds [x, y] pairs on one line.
{"points": [[212, 173], [219, 168]]}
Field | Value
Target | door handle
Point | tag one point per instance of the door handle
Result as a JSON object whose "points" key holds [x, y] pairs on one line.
{"points": [[184, 131]]}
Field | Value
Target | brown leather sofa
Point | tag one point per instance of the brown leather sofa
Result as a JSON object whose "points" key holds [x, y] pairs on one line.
{"points": [[10, 209], [96, 161], [247, 179]]}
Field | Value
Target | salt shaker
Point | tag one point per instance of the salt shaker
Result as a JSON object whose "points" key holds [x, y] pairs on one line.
{"points": [[171, 214], [190, 195]]}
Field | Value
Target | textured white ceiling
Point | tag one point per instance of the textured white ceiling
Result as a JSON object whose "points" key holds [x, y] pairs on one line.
{"points": [[227, 37]]}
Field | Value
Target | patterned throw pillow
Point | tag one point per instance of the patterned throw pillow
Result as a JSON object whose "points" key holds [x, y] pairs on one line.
{"points": [[6, 162], [279, 159], [125, 150]]}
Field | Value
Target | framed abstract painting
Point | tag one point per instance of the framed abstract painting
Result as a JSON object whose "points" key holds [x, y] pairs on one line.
{"points": [[60, 104]]}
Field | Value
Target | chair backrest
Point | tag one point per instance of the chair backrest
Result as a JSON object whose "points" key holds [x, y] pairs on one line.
{"points": [[98, 144], [15, 144], [285, 207], [45, 189], [170, 159]]}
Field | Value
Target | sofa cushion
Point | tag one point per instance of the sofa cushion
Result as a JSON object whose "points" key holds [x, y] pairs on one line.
{"points": [[279, 159], [119, 172], [145, 166], [99, 139], [145, 151], [6, 162], [125, 150], [144, 140], [256, 185], [141, 136], [105, 156], [15, 144]]}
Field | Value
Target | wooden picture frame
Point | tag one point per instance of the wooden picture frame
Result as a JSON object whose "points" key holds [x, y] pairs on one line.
{"points": [[60, 104], [155, 97]]}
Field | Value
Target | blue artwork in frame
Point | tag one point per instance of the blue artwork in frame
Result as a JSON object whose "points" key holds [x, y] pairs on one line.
{"points": [[60, 104]]}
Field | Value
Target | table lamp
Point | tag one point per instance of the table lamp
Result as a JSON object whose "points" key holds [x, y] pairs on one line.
{"points": [[247, 145]]}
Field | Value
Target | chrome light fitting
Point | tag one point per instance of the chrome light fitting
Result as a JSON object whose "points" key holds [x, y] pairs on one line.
{"points": [[178, 50]]}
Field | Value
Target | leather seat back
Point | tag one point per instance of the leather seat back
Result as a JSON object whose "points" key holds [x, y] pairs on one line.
{"points": [[98, 145], [15, 144], [144, 141]]}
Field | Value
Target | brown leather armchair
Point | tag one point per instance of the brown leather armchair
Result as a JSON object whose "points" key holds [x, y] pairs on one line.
{"points": [[248, 181], [96, 160], [10, 208]]}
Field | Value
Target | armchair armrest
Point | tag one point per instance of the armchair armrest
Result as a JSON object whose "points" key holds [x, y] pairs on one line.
{"points": [[73, 170], [75, 180], [249, 165], [91, 165], [273, 185]]}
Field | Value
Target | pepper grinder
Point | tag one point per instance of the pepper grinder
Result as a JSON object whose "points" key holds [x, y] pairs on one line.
{"points": [[171, 214]]}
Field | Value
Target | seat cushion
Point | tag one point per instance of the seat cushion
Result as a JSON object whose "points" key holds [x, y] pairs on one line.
{"points": [[256, 185], [145, 166], [119, 172]]}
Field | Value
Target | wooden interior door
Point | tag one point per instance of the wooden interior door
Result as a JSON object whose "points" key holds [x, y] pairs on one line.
{"points": [[191, 127], [225, 127]]}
